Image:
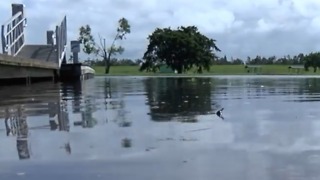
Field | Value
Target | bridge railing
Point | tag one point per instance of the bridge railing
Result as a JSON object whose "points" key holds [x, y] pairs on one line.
{"points": [[12, 32], [61, 40], [13, 36]]}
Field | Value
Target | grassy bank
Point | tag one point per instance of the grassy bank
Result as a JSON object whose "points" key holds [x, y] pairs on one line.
{"points": [[215, 70]]}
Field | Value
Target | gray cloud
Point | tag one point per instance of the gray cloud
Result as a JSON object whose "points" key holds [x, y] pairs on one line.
{"points": [[242, 28]]}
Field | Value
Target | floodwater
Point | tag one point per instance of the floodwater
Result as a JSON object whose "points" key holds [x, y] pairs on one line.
{"points": [[162, 128]]}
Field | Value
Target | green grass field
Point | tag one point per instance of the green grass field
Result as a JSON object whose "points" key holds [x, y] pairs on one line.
{"points": [[214, 70]]}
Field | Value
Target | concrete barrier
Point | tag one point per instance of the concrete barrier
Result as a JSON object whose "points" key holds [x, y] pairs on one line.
{"points": [[17, 70], [25, 62]]}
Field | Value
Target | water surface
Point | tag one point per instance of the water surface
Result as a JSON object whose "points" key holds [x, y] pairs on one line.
{"points": [[162, 128]]}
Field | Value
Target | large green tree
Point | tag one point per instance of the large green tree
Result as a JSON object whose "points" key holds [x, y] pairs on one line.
{"points": [[180, 49], [91, 47], [312, 60]]}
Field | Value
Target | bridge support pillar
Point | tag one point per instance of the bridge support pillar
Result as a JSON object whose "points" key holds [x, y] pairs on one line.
{"points": [[70, 72], [28, 80]]}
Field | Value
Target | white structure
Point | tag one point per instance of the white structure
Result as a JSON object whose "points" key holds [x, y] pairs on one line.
{"points": [[87, 72], [12, 32]]}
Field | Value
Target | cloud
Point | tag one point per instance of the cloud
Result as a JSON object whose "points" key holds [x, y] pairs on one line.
{"points": [[241, 28]]}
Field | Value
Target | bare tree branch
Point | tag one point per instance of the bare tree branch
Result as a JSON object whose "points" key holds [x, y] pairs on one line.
{"points": [[100, 50]]}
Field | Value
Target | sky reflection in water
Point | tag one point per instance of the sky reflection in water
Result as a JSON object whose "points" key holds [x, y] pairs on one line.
{"points": [[270, 130]]}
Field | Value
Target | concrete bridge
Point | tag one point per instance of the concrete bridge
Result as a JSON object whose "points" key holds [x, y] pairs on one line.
{"points": [[20, 61]]}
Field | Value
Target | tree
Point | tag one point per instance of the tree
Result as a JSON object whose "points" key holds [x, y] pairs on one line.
{"points": [[313, 60], [162, 93], [86, 38], [301, 58], [90, 46], [179, 49]]}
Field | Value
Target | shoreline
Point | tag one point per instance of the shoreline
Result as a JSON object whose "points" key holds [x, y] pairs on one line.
{"points": [[217, 70], [213, 75]]}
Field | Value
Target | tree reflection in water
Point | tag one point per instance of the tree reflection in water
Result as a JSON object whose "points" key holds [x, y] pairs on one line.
{"points": [[83, 102], [179, 99], [126, 143]]}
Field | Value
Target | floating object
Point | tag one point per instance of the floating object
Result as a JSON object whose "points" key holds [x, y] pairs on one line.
{"points": [[219, 113]]}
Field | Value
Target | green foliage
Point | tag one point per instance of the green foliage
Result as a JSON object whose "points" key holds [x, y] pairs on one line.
{"points": [[123, 29], [133, 70], [308, 60], [86, 38], [179, 49], [113, 50], [90, 46], [116, 62], [312, 60]]}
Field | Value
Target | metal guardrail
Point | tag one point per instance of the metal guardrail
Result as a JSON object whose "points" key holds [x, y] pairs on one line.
{"points": [[12, 34], [61, 40]]}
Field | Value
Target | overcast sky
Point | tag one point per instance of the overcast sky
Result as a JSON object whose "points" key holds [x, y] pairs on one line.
{"points": [[241, 27]]}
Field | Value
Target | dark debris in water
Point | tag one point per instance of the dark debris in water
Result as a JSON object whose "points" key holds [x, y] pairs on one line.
{"points": [[180, 139], [166, 139], [125, 124], [189, 139], [126, 143], [150, 148], [195, 130]]}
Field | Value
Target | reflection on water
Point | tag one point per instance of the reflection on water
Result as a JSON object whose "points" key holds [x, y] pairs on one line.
{"points": [[16, 125], [178, 98], [16, 115], [271, 124], [126, 143]]}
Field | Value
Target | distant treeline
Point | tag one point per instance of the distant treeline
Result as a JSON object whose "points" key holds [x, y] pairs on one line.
{"points": [[286, 60], [114, 62], [299, 59]]}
